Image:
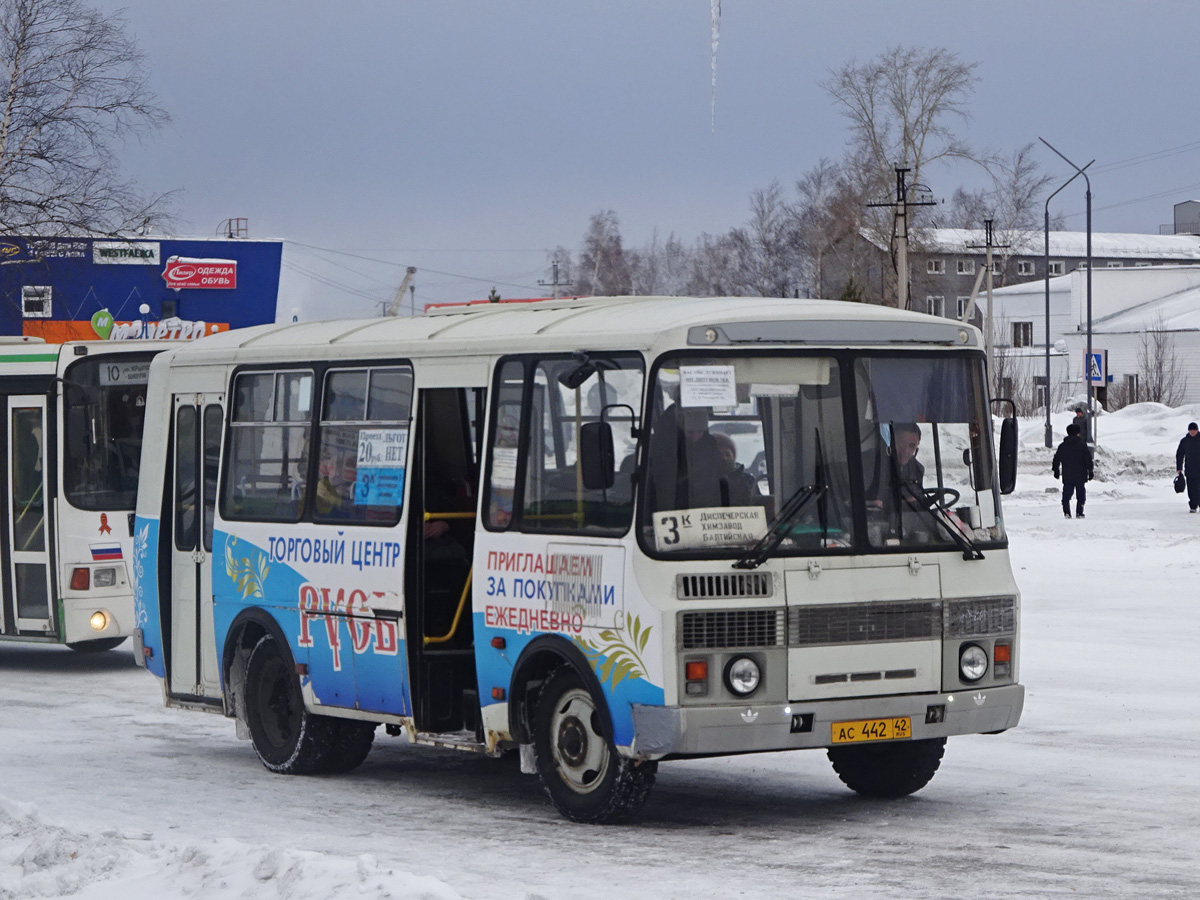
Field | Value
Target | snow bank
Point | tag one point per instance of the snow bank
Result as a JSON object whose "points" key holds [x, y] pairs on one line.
{"points": [[42, 860]]}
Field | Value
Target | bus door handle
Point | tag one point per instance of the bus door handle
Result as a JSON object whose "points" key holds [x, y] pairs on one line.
{"points": [[198, 556]]}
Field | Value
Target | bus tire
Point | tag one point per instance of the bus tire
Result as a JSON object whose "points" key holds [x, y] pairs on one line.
{"points": [[888, 770], [585, 778], [287, 737], [99, 645], [350, 746]]}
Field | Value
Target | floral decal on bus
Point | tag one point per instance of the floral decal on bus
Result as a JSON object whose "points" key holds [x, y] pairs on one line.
{"points": [[617, 653], [249, 578]]}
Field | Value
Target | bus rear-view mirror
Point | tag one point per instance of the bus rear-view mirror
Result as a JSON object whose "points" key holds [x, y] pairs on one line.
{"points": [[1008, 455], [596, 455]]}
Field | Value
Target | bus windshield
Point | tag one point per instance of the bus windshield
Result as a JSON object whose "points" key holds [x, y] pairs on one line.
{"points": [[104, 407], [741, 444]]}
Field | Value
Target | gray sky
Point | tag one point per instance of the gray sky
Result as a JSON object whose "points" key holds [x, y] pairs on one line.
{"points": [[470, 138]]}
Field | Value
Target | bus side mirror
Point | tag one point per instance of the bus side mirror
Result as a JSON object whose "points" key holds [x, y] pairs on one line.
{"points": [[596, 455], [1008, 455]]}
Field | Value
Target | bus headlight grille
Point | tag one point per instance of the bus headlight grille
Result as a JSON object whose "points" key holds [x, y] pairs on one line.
{"points": [[727, 629], [981, 616], [864, 623]]}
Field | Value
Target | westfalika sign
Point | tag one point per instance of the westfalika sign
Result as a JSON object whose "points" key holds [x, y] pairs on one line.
{"points": [[184, 272], [125, 253]]}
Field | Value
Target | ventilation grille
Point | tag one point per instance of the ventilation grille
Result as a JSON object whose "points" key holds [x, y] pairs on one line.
{"points": [[731, 628], [986, 615], [721, 586], [864, 623]]}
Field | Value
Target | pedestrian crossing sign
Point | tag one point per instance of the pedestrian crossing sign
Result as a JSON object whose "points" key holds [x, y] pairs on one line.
{"points": [[1097, 366]]}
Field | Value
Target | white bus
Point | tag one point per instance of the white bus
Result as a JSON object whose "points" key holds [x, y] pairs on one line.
{"points": [[601, 532], [71, 442]]}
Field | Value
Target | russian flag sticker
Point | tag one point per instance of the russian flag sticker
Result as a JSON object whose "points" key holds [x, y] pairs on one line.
{"points": [[105, 551]]}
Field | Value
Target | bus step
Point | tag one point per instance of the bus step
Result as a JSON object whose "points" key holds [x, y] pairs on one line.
{"points": [[452, 740]]}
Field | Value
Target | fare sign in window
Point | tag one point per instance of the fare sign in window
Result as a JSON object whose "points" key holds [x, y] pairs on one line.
{"points": [[381, 456]]}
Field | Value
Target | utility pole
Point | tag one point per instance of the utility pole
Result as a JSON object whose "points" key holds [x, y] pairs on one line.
{"points": [[988, 246], [901, 205], [555, 282]]}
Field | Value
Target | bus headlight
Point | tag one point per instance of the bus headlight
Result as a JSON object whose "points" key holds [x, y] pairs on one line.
{"points": [[972, 662], [99, 620], [104, 577], [742, 676]]}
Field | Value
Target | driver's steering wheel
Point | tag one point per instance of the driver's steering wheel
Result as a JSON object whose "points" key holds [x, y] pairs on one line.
{"points": [[941, 498]]}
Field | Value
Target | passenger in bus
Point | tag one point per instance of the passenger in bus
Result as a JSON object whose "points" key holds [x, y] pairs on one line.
{"points": [[685, 461], [335, 489], [740, 485]]}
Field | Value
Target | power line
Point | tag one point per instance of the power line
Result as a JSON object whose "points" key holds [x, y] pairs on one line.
{"points": [[388, 262]]}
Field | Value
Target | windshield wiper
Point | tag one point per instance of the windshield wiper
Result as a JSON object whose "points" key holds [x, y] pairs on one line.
{"points": [[778, 529], [925, 503]]}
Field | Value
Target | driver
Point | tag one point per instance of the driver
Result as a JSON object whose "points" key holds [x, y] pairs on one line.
{"points": [[906, 441]]}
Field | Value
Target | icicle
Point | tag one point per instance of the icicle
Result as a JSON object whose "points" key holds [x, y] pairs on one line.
{"points": [[715, 9]]}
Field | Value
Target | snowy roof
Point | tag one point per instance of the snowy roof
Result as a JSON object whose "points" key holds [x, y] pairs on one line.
{"points": [[1110, 245], [1177, 312]]}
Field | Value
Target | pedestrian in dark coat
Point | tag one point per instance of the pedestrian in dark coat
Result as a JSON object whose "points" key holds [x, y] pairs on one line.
{"points": [[1073, 460], [1187, 462]]}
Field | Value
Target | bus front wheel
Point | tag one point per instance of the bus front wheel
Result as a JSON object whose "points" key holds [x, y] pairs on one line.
{"points": [[888, 770], [287, 737], [583, 775]]}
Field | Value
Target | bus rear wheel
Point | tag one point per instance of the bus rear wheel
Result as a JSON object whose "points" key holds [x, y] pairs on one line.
{"points": [[888, 770], [286, 736], [99, 645], [583, 775]]}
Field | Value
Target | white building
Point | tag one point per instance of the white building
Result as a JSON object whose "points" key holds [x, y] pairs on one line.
{"points": [[1126, 303]]}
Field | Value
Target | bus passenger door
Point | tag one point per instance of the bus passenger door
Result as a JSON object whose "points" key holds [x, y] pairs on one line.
{"points": [[441, 540], [198, 421], [28, 532]]}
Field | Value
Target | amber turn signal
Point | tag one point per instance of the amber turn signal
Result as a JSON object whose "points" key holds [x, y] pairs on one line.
{"points": [[1002, 653], [697, 670], [81, 580]]}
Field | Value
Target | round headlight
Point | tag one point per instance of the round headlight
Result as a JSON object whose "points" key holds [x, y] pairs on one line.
{"points": [[98, 621], [743, 676], [972, 662]]}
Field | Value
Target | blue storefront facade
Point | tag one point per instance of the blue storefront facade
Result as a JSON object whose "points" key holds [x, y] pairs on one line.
{"points": [[95, 289]]}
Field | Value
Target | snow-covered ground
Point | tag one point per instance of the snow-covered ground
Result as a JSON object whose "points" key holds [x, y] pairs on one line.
{"points": [[106, 795]]}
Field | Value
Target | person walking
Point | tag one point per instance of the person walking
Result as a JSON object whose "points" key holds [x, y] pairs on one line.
{"points": [[1073, 460], [1187, 462]]}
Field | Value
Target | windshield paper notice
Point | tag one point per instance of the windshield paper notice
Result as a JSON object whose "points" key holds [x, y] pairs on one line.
{"points": [[709, 527], [714, 386]]}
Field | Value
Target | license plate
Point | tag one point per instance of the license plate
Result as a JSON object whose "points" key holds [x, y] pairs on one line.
{"points": [[871, 730]]}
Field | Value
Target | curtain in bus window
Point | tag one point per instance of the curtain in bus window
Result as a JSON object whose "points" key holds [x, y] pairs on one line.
{"points": [[269, 446], [185, 478], [213, 421], [363, 445], [566, 395], [505, 443]]}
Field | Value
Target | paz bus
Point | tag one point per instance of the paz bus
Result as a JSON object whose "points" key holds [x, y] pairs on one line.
{"points": [[71, 438], [601, 533]]}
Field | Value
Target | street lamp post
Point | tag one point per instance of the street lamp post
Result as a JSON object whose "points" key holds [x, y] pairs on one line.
{"points": [[1049, 428], [1087, 370]]}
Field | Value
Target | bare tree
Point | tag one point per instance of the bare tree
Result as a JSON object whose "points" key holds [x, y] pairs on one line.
{"points": [[827, 216], [766, 247], [901, 105], [603, 269], [1160, 370], [76, 89]]}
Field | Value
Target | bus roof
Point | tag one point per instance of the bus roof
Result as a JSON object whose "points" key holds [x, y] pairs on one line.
{"points": [[599, 322]]}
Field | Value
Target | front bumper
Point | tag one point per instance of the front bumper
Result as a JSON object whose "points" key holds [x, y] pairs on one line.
{"points": [[688, 731]]}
